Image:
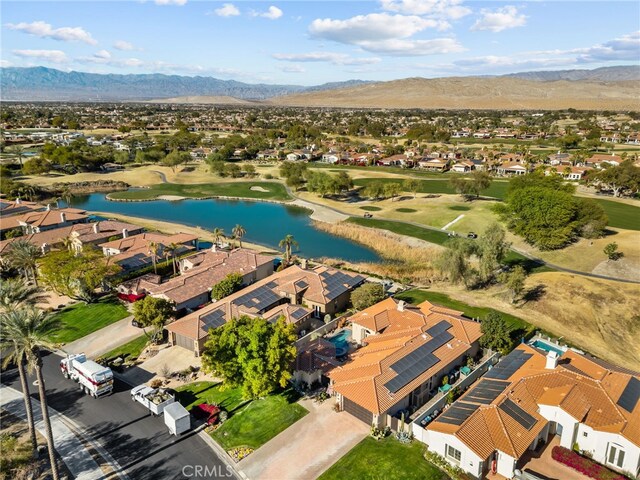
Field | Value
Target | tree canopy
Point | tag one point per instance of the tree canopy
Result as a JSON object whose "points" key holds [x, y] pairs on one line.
{"points": [[495, 333], [152, 311], [225, 287], [367, 295], [251, 353]]}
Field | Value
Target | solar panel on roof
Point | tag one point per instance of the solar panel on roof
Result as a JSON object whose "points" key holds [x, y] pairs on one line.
{"points": [[417, 362], [299, 313], [438, 328], [485, 391], [518, 414], [630, 395], [213, 319], [458, 413], [508, 365]]}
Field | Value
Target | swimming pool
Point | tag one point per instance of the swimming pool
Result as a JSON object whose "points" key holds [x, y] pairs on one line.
{"points": [[547, 347], [341, 341]]}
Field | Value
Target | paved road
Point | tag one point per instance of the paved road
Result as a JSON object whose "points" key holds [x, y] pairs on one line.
{"points": [[140, 443]]}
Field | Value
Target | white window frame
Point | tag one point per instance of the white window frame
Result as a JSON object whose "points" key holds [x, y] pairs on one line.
{"points": [[618, 453], [447, 447]]}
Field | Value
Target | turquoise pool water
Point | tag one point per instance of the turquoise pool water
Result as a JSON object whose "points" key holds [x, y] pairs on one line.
{"points": [[542, 345], [341, 341]]}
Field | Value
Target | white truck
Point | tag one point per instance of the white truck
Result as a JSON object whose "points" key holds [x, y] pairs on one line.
{"points": [[93, 378], [155, 399]]}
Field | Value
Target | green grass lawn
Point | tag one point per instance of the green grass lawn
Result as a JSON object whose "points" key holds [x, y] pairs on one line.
{"points": [[439, 238], [517, 326], [130, 350], [209, 392], [498, 188], [82, 319], [621, 215], [406, 210], [385, 459], [370, 208], [251, 423], [276, 191], [258, 422]]}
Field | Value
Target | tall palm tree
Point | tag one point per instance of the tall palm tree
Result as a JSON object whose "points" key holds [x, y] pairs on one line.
{"points": [[29, 329], [23, 256], [16, 294], [170, 253], [287, 243], [18, 151], [154, 248], [238, 232], [218, 235]]}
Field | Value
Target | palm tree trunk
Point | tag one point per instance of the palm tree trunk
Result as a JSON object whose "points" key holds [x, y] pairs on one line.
{"points": [[45, 417], [28, 407]]}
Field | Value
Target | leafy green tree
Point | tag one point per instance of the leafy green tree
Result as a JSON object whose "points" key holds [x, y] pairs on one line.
{"points": [[495, 333], [392, 190], [154, 313], [23, 256], [225, 287], [374, 190], [232, 170], [343, 181], [514, 280], [36, 166], [492, 250], [175, 158], [251, 353], [367, 295], [76, 275], [454, 261], [471, 186], [620, 180], [249, 170], [611, 251], [411, 185], [28, 330]]}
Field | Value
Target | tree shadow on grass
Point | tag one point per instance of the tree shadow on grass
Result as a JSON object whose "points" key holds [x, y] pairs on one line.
{"points": [[534, 294]]}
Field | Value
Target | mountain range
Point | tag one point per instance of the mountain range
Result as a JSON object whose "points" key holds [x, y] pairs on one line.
{"points": [[601, 88]]}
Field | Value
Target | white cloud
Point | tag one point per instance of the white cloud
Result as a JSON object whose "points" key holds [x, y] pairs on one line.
{"points": [[438, 8], [402, 47], [372, 27], [293, 69], [5, 63], [171, 2], [330, 57], [104, 54], [51, 56], [626, 47], [499, 20], [124, 46], [272, 13], [227, 10], [45, 30]]}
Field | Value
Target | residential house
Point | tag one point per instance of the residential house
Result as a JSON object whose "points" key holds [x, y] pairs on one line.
{"points": [[9, 208], [526, 400], [299, 294], [510, 169], [560, 159], [78, 235], [315, 361], [463, 166], [408, 349], [133, 252], [267, 155], [600, 160], [40, 221], [433, 164], [198, 274]]}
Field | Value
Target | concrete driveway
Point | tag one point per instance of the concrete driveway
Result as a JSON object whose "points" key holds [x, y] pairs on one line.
{"points": [[308, 447], [105, 339]]}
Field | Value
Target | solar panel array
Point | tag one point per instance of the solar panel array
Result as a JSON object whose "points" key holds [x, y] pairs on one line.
{"points": [[438, 328], [458, 413], [630, 395], [417, 362], [518, 414], [136, 261], [213, 319], [336, 283], [299, 313], [261, 299], [508, 365], [486, 391]]}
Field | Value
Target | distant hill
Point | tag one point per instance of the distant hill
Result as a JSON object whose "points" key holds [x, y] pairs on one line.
{"points": [[204, 100], [604, 74], [476, 93], [48, 84]]}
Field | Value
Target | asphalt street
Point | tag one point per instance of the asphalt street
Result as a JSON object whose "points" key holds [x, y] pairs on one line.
{"points": [[139, 442]]}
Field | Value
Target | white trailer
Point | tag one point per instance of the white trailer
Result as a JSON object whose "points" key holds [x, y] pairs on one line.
{"points": [[155, 399], [177, 418], [93, 378]]}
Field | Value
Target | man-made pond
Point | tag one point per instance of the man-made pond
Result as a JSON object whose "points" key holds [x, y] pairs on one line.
{"points": [[265, 223]]}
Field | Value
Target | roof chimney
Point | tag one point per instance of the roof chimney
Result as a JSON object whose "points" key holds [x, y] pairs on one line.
{"points": [[96, 227], [552, 360], [18, 201], [125, 233], [401, 306], [303, 263], [48, 207], [63, 217]]}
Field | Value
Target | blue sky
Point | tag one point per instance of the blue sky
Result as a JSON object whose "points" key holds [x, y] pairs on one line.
{"points": [[308, 42]]}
